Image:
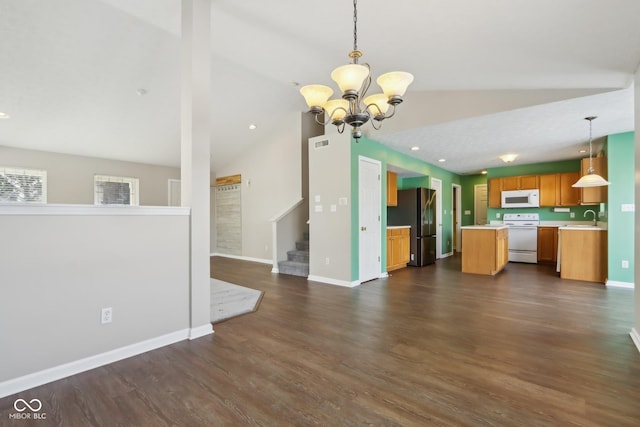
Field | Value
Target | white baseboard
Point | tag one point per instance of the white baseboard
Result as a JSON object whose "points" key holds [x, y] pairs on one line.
{"points": [[200, 331], [614, 284], [275, 270], [244, 258], [333, 281], [635, 337], [385, 274], [448, 254], [39, 378]]}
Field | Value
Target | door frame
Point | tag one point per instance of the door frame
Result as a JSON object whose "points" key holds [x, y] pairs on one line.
{"points": [[377, 250], [456, 190], [438, 216]]}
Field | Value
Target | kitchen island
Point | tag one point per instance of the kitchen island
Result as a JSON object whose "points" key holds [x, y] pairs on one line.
{"points": [[485, 248], [582, 253]]}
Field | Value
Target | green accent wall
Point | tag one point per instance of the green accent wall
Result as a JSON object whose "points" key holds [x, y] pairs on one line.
{"points": [[621, 172], [468, 183], [374, 150]]}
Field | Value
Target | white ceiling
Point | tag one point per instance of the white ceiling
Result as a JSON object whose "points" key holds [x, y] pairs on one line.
{"points": [[491, 76]]}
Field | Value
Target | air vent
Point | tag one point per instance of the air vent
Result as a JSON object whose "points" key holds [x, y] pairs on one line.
{"points": [[323, 143]]}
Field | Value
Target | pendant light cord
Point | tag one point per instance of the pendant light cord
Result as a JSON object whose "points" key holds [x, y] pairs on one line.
{"points": [[590, 118]]}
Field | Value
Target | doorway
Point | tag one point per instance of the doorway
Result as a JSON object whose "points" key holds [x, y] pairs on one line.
{"points": [[370, 198], [457, 217], [480, 204], [436, 184]]}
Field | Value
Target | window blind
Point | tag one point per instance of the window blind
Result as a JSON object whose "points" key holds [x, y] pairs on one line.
{"points": [[115, 190], [19, 185]]}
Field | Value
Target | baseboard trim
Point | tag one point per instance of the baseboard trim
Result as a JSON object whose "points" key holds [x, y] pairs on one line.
{"points": [[244, 258], [39, 378], [275, 270], [200, 331], [333, 281], [635, 337], [384, 274], [448, 254], [614, 284]]}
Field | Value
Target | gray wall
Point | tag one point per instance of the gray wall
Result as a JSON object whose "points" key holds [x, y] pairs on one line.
{"points": [[330, 232], [271, 182], [58, 272], [70, 178]]}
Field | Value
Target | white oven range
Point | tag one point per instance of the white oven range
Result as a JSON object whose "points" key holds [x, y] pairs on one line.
{"points": [[523, 236]]}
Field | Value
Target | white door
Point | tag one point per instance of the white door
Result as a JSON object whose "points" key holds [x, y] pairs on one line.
{"points": [[480, 204], [369, 171], [436, 184], [174, 192]]}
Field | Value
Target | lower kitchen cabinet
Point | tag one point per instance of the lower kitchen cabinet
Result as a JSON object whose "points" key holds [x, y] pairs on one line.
{"points": [[547, 245], [583, 255], [485, 250], [398, 248]]}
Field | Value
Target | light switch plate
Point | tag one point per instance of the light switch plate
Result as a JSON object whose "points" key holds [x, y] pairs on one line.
{"points": [[627, 207]]}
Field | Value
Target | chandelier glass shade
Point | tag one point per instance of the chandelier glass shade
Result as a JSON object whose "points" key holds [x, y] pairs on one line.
{"points": [[355, 108], [591, 179]]}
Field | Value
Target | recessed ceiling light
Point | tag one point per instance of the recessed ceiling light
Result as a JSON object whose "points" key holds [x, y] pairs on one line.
{"points": [[4, 115], [415, 148], [252, 126], [583, 151], [484, 172], [442, 160]]}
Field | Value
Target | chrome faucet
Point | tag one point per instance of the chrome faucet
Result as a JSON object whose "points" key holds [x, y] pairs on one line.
{"points": [[595, 221]]}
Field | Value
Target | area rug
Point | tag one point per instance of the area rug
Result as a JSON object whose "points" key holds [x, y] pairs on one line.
{"points": [[229, 300]]}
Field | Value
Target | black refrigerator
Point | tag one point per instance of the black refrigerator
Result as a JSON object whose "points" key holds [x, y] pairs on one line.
{"points": [[417, 208]]}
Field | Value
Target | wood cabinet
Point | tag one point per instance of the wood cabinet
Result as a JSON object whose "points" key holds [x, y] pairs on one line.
{"points": [[583, 255], [594, 195], [392, 189], [556, 189], [398, 248], [495, 192], [485, 250], [498, 185], [547, 245]]}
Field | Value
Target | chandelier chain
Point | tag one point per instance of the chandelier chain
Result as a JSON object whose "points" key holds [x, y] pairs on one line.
{"points": [[355, 25]]}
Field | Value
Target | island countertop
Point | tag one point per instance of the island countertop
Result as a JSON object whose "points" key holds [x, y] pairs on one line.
{"points": [[484, 227]]}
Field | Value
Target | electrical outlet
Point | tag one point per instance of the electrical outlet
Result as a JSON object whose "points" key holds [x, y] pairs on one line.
{"points": [[625, 263], [572, 215], [498, 215], [107, 315], [327, 261]]}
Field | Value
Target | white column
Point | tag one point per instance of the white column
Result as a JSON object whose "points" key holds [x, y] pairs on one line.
{"points": [[195, 152]]}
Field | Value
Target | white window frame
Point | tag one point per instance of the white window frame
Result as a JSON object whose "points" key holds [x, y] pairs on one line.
{"points": [[134, 185], [42, 173]]}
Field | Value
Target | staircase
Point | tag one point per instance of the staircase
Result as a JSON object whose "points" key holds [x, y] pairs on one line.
{"points": [[297, 263]]}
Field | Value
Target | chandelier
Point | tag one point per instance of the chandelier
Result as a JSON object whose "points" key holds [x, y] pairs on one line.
{"points": [[354, 80], [591, 179]]}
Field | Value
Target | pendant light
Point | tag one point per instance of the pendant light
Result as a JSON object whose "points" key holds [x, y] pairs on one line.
{"points": [[591, 179]]}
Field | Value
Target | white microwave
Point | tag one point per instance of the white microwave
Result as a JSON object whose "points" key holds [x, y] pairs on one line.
{"points": [[521, 199]]}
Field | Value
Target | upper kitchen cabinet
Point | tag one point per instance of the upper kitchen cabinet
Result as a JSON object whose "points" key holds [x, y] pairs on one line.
{"points": [[594, 195], [498, 185], [495, 192], [527, 182], [556, 189], [392, 189]]}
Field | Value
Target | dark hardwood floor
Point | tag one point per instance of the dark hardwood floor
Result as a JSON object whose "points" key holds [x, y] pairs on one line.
{"points": [[424, 347]]}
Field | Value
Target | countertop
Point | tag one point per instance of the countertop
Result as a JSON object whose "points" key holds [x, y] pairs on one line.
{"points": [[393, 227], [484, 227], [582, 228]]}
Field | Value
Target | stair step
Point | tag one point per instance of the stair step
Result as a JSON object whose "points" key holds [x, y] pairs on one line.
{"points": [[302, 245], [299, 256], [294, 268]]}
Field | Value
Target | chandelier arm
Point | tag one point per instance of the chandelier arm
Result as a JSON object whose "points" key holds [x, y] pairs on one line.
{"points": [[393, 111], [321, 123], [341, 127], [373, 124]]}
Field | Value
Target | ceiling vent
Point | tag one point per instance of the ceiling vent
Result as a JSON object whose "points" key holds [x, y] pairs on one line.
{"points": [[321, 144]]}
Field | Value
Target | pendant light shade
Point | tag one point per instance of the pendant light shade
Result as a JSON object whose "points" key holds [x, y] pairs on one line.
{"points": [[350, 77], [591, 179]]}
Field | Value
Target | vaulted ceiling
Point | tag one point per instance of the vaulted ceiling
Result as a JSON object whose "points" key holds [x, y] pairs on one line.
{"points": [[491, 76]]}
